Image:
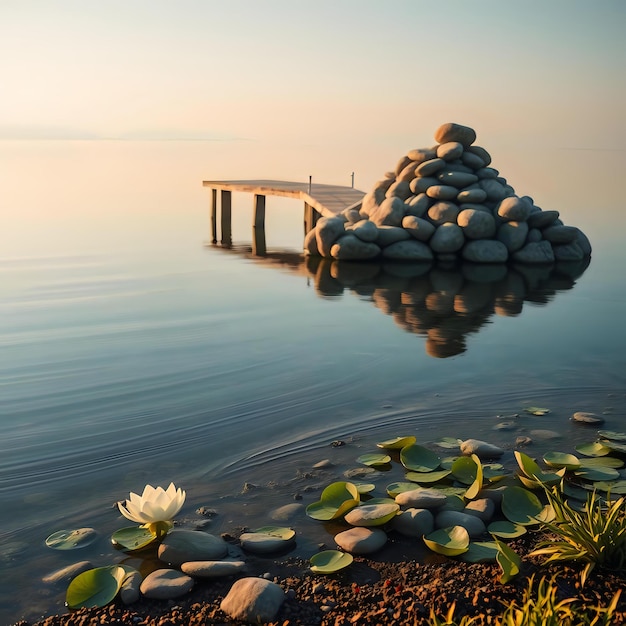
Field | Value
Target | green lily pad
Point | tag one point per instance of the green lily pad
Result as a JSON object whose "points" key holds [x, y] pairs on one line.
{"points": [[279, 532], [132, 537], [614, 487], [448, 461], [535, 410], [614, 446], [593, 449], [364, 488], [71, 539], [336, 500], [612, 435], [395, 488], [602, 461], [464, 469], [419, 459], [509, 562], [506, 530], [382, 500], [477, 485], [561, 459], [372, 459], [372, 514], [449, 541], [397, 443], [480, 552], [521, 506], [529, 467], [427, 477], [533, 476], [574, 491], [598, 473], [96, 587], [449, 443], [330, 561]]}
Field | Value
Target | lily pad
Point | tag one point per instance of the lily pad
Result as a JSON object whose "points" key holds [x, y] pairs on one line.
{"points": [[330, 561], [364, 488], [602, 461], [612, 435], [419, 459], [71, 539], [279, 532], [561, 459], [535, 410], [521, 506], [395, 488], [464, 469], [477, 485], [132, 537], [449, 443], [449, 541], [397, 443], [598, 473], [533, 476], [593, 449], [480, 552], [427, 477], [614, 446], [336, 500], [373, 459], [509, 562], [96, 587], [614, 487], [506, 530]]}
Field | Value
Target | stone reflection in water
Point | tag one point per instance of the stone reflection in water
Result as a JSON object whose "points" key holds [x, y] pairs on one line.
{"points": [[444, 303]]}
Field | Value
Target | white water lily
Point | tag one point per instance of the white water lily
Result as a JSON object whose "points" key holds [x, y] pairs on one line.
{"points": [[153, 505]]}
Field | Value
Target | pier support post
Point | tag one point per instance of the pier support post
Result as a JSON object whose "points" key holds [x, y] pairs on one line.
{"points": [[213, 215], [258, 226], [227, 233], [310, 217]]}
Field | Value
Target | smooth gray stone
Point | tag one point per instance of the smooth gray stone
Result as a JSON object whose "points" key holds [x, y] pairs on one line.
{"points": [[328, 230], [414, 522], [352, 215], [361, 540], [540, 252], [485, 251], [442, 192], [474, 525], [458, 166], [253, 600], [476, 224], [213, 569], [534, 235], [473, 160], [389, 213], [442, 212], [487, 173], [260, 543], [130, 591], [401, 164], [514, 209], [428, 168], [471, 195], [447, 238], [476, 207], [542, 219], [180, 546], [421, 498], [373, 198], [422, 183], [545, 434], [292, 510], [408, 173], [399, 189], [365, 230], [391, 234], [493, 493], [164, 584], [457, 179], [483, 508], [568, 252], [495, 190], [450, 151], [560, 234], [482, 449], [351, 248], [509, 192], [411, 250], [455, 132], [68, 572], [584, 417], [366, 514], [480, 152], [513, 235], [417, 227], [310, 243], [584, 243], [419, 155], [418, 205]]}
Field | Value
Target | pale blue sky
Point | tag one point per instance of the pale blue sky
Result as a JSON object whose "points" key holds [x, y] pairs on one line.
{"points": [[301, 71]]}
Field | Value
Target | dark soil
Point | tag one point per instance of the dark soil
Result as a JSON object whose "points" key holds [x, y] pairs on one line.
{"points": [[367, 593]]}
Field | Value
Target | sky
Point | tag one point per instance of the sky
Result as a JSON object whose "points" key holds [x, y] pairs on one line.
{"points": [[304, 72]]}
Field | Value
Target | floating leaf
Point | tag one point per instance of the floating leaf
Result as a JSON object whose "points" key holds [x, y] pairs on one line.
{"points": [[96, 587], [561, 459], [528, 466], [615, 487], [278, 532], [612, 435], [521, 506], [364, 488], [506, 530], [395, 488], [330, 561], [602, 461], [509, 562], [397, 443], [448, 461], [535, 410], [427, 477], [419, 459], [448, 541], [373, 459], [464, 469], [597, 473], [132, 537], [533, 476], [450, 443], [336, 500], [614, 446], [593, 449], [71, 539], [480, 552], [477, 485]]}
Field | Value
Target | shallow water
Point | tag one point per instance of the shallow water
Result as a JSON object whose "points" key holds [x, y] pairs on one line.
{"points": [[133, 353]]}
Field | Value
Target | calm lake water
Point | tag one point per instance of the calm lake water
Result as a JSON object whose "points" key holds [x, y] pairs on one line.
{"points": [[133, 353]]}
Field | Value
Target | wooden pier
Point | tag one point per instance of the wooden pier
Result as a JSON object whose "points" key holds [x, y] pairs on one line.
{"points": [[319, 200]]}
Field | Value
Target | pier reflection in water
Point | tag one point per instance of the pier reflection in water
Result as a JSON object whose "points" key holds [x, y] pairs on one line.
{"points": [[443, 303]]}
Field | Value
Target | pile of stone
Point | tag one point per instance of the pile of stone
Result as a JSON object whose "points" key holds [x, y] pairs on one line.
{"points": [[446, 203]]}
